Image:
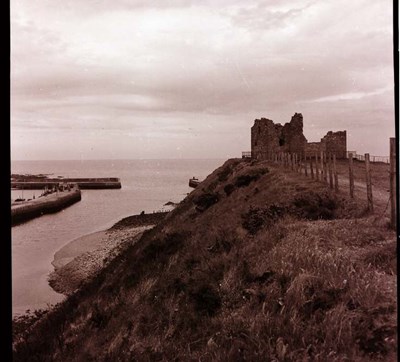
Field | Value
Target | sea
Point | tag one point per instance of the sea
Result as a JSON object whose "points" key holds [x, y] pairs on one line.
{"points": [[147, 185]]}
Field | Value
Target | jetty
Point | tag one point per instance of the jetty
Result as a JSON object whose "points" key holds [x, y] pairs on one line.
{"points": [[32, 182], [50, 203]]}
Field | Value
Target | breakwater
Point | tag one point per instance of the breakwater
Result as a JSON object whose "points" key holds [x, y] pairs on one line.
{"points": [[36, 183], [23, 211]]}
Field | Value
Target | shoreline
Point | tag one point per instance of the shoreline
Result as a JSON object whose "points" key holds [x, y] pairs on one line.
{"points": [[82, 258]]}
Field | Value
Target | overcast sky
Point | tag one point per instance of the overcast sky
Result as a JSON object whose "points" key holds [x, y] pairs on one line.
{"points": [[108, 79]]}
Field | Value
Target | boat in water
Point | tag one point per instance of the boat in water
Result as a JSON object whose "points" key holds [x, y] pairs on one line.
{"points": [[194, 182]]}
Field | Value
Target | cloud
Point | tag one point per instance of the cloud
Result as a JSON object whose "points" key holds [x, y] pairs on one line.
{"points": [[135, 65], [352, 96]]}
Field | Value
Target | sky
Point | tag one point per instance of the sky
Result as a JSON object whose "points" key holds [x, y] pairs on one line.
{"points": [[127, 79]]}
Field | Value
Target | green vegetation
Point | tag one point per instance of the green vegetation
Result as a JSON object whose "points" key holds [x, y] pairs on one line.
{"points": [[274, 267]]}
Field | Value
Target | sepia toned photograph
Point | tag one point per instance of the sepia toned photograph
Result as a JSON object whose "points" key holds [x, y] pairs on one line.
{"points": [[204, 180]]}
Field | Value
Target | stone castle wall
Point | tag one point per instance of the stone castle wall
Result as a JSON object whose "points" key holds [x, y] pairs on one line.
{"points": [[335, 143], [264, 138], [313, 148], [268, 138]]}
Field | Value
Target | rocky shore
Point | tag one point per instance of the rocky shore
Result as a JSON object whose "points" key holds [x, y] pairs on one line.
{"points": [[81, 259]]}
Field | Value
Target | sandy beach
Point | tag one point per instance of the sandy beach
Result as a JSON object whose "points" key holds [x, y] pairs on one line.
{"points": [[82, 258]]}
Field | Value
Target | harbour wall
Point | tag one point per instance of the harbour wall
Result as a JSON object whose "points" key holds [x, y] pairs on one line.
{"points": [[110, 183], [28, 210]]}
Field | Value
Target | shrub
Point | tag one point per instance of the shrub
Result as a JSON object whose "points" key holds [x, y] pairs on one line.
{"points": [[206, 300], [313, 206], [206, 200], [99, 317], [224, 174], [245, 180], [228, 189], [256, 218]]}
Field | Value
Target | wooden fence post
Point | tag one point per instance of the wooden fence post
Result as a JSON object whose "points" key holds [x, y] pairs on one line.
{"points": [[296, 166], [322, 166], [335, 174], [305, 165], [369, 184], [393, 183], [351, 175], [302, 158], [311, 168], [301, 162], [298, 163], [316, 167], [330, 170]]}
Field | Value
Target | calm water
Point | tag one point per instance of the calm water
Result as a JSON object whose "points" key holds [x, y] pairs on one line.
{"points": [[146, 185]]}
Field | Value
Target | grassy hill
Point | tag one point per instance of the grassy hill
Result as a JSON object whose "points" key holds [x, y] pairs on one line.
{"points": [[257, 263]]}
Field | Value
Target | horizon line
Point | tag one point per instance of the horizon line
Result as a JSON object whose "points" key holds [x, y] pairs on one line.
{"points": [[124, 159]]}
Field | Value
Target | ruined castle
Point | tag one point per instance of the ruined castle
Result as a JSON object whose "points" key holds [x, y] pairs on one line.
{"points": [[268, 138]]}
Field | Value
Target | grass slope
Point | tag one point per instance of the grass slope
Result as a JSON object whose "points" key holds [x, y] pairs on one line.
{"points": [[257, 263]]}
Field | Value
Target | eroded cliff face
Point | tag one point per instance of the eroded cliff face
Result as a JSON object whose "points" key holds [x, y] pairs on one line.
{"points": [[268, 138]]}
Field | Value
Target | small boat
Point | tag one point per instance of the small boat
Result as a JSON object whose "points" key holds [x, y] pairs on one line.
{"points": [[194, 182]]}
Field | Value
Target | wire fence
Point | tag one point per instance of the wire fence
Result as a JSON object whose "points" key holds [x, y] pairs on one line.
{"points": [[323, 167], [356, 156]]}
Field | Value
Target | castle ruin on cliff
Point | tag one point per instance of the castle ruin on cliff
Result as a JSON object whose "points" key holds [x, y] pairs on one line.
{"points": [[268, 138]]}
